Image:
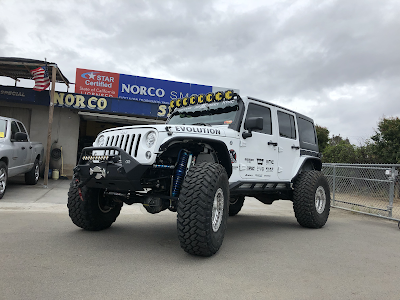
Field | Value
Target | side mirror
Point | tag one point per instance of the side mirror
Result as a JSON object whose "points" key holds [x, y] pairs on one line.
{"points": [[251, 124], [20, 137]]}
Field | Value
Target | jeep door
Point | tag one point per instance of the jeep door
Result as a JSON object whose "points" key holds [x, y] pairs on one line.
{"points": [[258, 156], [288, 144]]}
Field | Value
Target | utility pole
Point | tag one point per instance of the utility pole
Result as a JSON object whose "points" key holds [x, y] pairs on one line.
{"points": [[50, 126]]}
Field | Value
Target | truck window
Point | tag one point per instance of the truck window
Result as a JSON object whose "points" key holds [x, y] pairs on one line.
{"points": [[3, 128], [21, 127], [255, 110], [306, 131], [14, 129], [287, 127]]}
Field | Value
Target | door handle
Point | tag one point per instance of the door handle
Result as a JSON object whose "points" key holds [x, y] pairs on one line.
{"points": [[23, 148], [30, 147], [272, 143], [295, 147]]}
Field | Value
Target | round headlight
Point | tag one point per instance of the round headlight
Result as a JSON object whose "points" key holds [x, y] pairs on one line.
{"points": [[150, 139], [101, 141]]}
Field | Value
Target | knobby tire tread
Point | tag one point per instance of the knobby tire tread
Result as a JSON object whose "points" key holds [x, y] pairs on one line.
{"points": [[85, 213], [304, 199], [195, 209]]}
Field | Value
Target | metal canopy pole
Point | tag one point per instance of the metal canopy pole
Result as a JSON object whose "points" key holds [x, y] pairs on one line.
{"points": [[51, 111]]}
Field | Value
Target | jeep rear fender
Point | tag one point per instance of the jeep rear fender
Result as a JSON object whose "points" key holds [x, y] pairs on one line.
{"points": [[219, 147], [307, 164]]}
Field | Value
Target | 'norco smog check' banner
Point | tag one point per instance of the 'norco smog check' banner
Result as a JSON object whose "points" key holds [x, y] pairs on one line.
{"points": [[106, 84]]}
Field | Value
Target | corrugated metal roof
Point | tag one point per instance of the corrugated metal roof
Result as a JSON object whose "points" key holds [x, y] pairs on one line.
{"points": [[15, 67]]}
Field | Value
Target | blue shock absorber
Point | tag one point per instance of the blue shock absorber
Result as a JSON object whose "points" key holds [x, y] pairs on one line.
{"points": [[180, 171]]}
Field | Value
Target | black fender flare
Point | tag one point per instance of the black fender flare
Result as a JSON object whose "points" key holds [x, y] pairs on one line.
{"points": [[314, 163], [220, 149]]}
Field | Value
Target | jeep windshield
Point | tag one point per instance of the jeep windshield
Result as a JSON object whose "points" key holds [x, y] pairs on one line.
{"points": [[215, 113]]}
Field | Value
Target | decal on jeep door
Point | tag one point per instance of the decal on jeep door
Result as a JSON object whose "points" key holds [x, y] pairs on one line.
{"points": [[232, 154]]}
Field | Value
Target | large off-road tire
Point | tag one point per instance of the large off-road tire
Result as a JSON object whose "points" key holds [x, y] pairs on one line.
{"points": [[32, 176], [3, 178], [311, 199], [235, 205], [89, 209], [203, 209]]}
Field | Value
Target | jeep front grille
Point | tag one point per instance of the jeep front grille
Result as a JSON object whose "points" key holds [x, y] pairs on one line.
{"points": [[127, 142]]}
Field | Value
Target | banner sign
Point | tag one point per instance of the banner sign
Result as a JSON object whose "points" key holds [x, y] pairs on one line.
{"points": [[96, 83], [156, 90], [23, 95], [144, 89]]}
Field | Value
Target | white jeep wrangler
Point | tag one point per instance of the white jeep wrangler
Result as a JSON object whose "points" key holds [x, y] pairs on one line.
{"points": [[214, 150]]}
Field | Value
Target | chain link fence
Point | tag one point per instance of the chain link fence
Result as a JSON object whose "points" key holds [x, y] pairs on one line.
{"points": [[368, 189]]}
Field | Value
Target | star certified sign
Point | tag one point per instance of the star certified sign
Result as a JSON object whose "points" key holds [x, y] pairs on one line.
{"points": [[98, 83]]}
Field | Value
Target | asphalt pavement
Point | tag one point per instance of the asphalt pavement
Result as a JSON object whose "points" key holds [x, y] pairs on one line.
{"points": [[265, 254]]}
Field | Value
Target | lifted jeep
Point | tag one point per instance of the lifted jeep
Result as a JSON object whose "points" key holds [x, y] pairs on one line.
{"points": [[214, 150]]}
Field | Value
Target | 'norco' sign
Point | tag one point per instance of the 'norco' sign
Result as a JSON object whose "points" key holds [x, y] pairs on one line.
{"points": [[80, 101], [142, 90]]}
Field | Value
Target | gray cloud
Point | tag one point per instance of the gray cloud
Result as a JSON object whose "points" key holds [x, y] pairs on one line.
{"points": [[338, 61]]}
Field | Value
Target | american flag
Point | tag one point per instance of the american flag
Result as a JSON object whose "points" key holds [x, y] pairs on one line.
{"points": [[41, 77]]}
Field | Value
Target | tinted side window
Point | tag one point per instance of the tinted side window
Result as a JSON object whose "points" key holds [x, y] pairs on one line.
{"points": [[306, 131], [14, 129], [255, 110], [287, 127], [21, 127]]}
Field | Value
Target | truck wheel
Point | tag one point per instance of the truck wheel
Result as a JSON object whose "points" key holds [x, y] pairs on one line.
{"points": [[235, 205], [311, 199], [203, 209], [3, 178], [89, 209], [32, 176]]}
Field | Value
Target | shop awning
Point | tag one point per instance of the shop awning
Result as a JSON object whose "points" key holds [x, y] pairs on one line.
{"points": [[16, 68]]}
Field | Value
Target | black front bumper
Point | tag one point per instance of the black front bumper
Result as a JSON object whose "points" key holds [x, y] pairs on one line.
{"points": [[116, 172]]}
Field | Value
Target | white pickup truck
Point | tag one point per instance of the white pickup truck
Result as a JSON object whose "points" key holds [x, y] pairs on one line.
{"points": [[18, 155]]}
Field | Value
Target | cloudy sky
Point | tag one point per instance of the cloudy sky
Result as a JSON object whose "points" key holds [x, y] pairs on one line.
{"points": [[337, 61]]}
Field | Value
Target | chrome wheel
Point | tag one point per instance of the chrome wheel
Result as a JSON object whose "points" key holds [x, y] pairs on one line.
{"points": [[320, 199], [3, 180], [217, 210]]}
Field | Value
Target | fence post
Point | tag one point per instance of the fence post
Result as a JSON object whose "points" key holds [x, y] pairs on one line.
{"points": [[391, 192], [333, 185]]}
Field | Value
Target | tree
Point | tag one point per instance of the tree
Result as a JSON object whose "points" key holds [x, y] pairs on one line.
{"points": [[323, 137], [387, 140], [337, 139], [366, 154], [341, 152]]}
